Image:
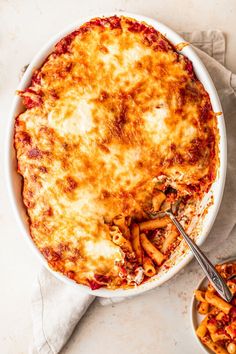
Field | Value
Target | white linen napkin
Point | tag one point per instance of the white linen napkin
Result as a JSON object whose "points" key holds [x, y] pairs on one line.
{"points": [[56, 307]]}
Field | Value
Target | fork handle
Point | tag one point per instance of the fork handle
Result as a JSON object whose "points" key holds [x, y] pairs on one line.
{"points": [[214, 277]]}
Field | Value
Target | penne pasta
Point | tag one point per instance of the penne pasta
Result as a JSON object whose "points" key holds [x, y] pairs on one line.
{"points": [[220, 316], [232, 286], [128, 220], [219, 336], [217, 302], [154, 223], [170, 238], [136, 244], [151, 250], [231, 329], [203, 308], [120, 240], [216, 348], [202, 328], [200, 295], [158, 200], [119, 221], [212, 327], [148, 266], [231, 347]]}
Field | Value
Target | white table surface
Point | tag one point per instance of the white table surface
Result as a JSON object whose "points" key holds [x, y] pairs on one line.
{"points": [[159, 321]]}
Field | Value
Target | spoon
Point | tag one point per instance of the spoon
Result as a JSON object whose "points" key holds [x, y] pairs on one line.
{"points": [[213, 276]]}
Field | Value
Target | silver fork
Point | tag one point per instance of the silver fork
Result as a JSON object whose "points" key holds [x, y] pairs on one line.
{"points": [[214, 277]]}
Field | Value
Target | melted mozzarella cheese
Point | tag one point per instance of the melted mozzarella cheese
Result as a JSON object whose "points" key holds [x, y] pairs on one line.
{"points": [[116, 108], [68, 114]]}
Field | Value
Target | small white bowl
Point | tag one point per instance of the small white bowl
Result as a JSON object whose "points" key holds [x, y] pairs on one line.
{"points": [[14, 181], [196, 318]]}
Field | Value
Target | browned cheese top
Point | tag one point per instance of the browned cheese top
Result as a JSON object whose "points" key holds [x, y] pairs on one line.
{"points": [[111, 112]]}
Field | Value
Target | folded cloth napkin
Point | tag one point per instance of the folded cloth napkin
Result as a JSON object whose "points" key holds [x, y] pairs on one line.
{"points": [[56, 307]]}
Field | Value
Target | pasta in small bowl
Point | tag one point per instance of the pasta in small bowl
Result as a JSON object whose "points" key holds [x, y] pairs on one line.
{"points": [[213, 319]]}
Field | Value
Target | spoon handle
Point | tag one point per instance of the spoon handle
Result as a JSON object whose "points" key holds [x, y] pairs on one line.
{"points": [[214, 277]]}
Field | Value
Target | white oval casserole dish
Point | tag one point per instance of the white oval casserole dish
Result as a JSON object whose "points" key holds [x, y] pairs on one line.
{"points": [[14, 181]]}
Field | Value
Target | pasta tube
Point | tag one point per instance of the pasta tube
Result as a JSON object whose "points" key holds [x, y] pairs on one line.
{"points": [[217, 302], [154, 223], [157, 200], [170, 238], [151, 250], [203, 308], [136, 244], [216, 348], [120, 240], [218, 336], [231, 348], [119, 221], [202, 328], [148, 266]]}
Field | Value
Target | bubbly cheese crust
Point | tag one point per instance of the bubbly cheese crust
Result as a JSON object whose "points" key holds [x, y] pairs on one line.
{"points": [[112, 111]]}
